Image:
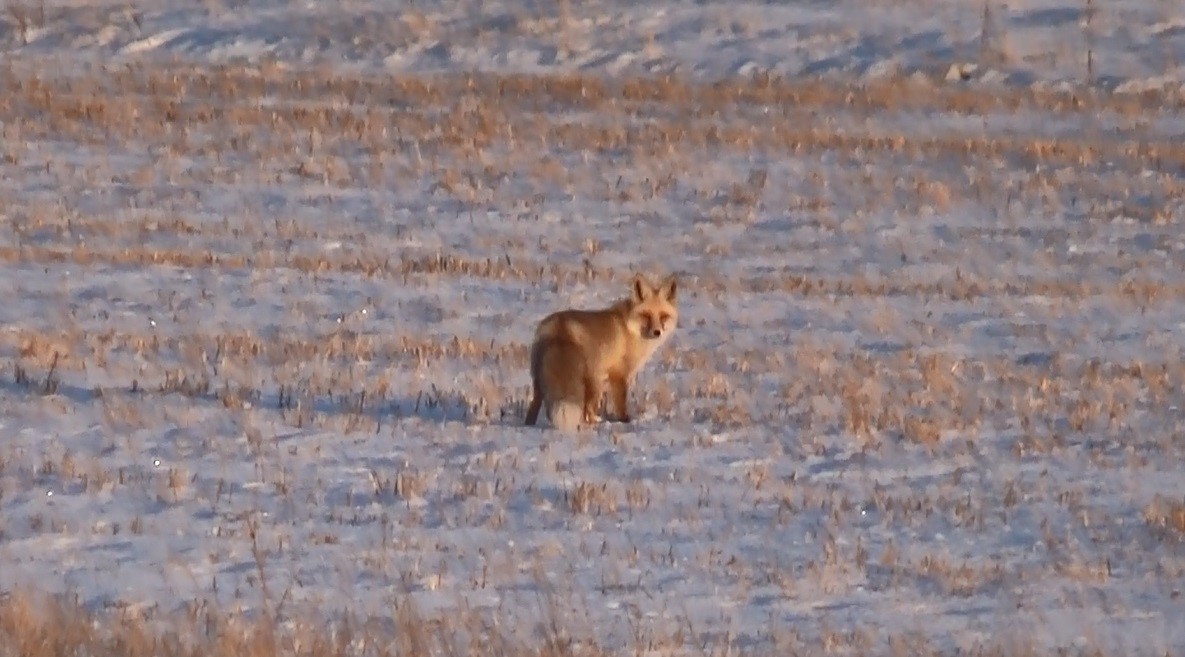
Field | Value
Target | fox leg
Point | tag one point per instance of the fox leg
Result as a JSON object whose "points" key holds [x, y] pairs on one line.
{"points": [[536, 404], [592, 400], [536, 383], [619, 391], [543, 356]]}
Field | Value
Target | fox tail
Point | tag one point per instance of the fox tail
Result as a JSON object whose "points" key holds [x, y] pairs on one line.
{"points": [[566, 415]]}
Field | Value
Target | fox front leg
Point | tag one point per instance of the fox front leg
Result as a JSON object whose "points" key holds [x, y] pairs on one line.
{"points": [[619, 389]]}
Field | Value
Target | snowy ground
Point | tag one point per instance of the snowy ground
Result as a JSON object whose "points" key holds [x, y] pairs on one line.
{"points": [[271, 269], [1137, 42]]}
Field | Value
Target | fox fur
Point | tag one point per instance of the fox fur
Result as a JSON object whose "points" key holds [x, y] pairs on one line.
{"points": [[579, 354]]}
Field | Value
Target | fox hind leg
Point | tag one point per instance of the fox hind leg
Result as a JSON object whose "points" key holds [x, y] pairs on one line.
{"points": [[593, 393], [559, 383], [536, 404], [537, 356]]}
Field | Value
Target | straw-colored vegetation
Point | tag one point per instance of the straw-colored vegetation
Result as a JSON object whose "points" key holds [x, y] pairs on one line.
{"points": [[1004, 288]]}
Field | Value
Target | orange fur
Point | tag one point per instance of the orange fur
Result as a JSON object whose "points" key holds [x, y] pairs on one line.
{"points": [[579, 354]]}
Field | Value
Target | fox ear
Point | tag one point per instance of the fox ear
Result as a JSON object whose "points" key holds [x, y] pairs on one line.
{"points": [[641, 288], [669, 288]]}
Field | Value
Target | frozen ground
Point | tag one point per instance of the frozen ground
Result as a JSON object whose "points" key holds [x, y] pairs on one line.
{"points": [[271, 270]]}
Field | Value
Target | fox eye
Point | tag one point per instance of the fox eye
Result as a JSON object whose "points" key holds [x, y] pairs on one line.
{"points": [[662, 319]]}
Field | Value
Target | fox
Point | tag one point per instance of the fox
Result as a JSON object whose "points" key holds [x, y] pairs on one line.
{"points": [[576, 354]]}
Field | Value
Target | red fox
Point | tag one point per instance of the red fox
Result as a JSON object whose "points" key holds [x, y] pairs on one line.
{"points": [[577, 352]]}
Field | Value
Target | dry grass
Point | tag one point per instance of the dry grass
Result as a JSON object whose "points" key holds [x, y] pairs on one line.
{"points": [[932, 393], [1166, 517], [381, 264], [682, 115], [36, 626], [40, 626], [473, 136], [806, 370]]}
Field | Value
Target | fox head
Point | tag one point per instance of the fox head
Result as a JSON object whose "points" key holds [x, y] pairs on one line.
{"points": [[652, 309]]}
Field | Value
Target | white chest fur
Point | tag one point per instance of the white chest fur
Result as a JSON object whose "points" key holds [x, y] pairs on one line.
{"points": [[643, 351]]}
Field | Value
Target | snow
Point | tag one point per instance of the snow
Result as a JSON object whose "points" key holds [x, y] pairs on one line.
{"points": [[1031, 41], [241, 429]]}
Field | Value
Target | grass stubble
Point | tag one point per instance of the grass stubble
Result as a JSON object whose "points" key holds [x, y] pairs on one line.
{"points": [[507, 143]]}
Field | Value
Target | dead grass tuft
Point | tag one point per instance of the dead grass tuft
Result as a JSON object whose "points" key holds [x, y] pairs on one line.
{"points": [[1166, 517], [592, 498]]}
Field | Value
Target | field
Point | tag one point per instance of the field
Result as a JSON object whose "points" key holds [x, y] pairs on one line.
{"points": [[272, 269]]}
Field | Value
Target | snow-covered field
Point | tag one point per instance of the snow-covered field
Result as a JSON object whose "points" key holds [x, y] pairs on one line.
{"points": [[269, 271]]}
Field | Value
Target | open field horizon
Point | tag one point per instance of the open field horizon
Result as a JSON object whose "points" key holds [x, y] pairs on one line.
{"points": [[263, 354]]}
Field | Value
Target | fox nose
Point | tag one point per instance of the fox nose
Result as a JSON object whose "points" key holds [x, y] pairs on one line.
{"points": [[654, 333]]}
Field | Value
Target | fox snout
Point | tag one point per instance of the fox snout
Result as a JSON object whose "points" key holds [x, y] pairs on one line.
{"points": [[651, 326]]}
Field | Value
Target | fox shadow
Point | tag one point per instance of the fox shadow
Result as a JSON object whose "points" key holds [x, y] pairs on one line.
{"points": [[298, 406], [432, 405]]}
